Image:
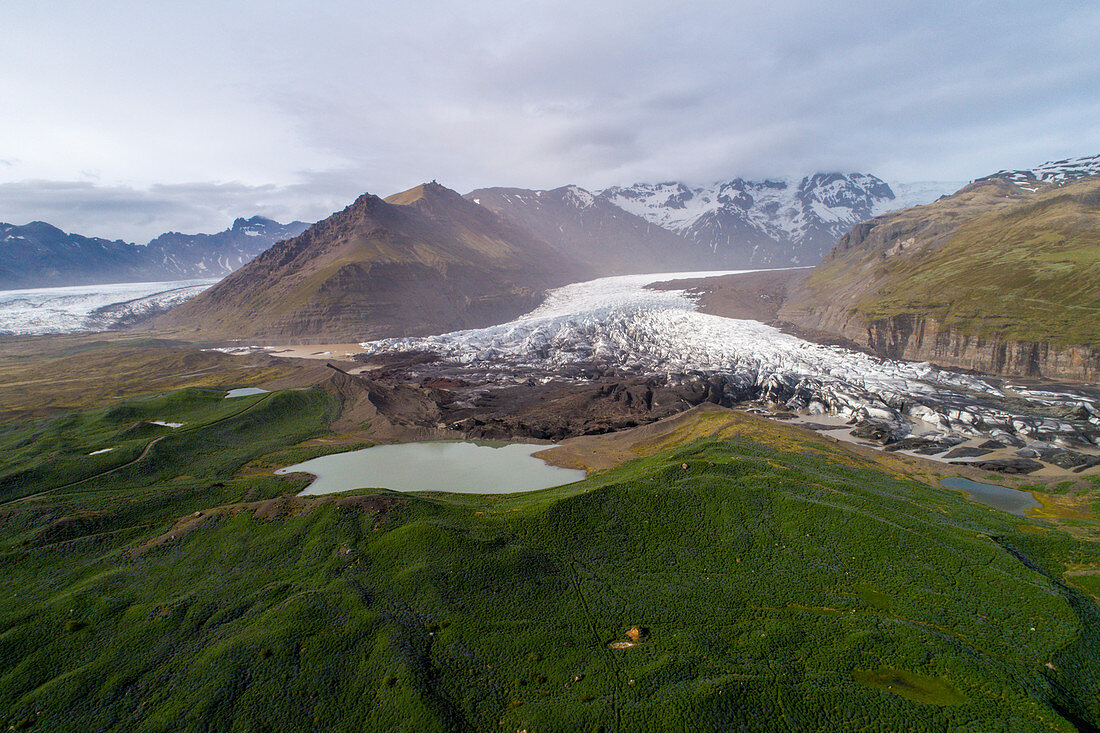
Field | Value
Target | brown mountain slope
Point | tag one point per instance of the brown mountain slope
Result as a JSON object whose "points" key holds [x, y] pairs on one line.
{"points": [[997, 277], [423, 261], [591, 230]]}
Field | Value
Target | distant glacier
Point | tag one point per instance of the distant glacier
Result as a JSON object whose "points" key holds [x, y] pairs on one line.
{"points": [[78, 308]]}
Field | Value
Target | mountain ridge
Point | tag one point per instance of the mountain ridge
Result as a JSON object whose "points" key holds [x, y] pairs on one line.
{"points": [[773, 222], [583, 227], [39, 254], [422, 261], [1002, 276]]}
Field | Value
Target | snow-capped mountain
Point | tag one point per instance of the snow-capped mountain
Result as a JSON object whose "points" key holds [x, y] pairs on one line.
{"points": [[592, 231], [761, 223], [1056, 172], [213, 255], [41, 255]]}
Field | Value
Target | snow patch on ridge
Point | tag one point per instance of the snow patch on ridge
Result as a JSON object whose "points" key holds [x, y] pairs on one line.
{"points": [[581, 199], [1057, 172]]}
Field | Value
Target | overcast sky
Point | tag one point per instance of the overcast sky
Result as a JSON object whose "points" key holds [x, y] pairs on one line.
{"points": [[126, 119]]}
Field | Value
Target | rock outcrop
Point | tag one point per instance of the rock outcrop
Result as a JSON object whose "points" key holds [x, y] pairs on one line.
{"points": [[924, 339]]}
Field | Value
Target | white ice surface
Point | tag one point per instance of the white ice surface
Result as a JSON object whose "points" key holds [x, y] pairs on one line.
{"points": [[918, 193], [618, 322], [74, 308]]}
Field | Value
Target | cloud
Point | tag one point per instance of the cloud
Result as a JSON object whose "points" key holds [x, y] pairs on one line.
{"points": [[140, 214], [297, 109]]}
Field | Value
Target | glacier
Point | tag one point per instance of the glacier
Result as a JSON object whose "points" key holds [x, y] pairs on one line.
{"points": [[77, 308], [618, 323]]}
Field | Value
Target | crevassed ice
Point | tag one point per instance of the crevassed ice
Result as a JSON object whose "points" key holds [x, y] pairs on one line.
{"points": [[76, 308], [618, 322]]}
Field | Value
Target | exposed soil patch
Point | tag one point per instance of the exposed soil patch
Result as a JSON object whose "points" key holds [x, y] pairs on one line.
{"points": [[755, 296]]}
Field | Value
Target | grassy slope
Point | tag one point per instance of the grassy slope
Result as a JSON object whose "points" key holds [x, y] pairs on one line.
{"points": [[784, 583], [1031, 273], [49, 374], [988, 262]]}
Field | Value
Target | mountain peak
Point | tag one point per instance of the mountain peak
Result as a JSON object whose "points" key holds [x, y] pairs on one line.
{"points": [[255, 221], [764, 222], [430, 191], [446, 262], [578, 196], [43, 228]]}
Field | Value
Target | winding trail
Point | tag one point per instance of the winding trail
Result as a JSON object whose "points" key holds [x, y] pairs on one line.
{"points": [[144, 452]]}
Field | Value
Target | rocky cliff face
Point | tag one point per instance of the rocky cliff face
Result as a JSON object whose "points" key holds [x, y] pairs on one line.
{"points": [[918, 338], [1002, 277], [925, 339]]}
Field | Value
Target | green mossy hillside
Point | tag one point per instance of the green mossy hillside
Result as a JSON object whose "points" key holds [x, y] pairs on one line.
{"points": [[1028, 273], [992, 261], [780, 587]]}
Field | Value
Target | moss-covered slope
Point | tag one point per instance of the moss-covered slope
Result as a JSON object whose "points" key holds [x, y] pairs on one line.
{"points": [[775, 580], [995, 262]]}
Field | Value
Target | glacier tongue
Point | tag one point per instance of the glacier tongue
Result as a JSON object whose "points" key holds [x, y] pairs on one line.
{"points": [[618, 323], [76, 308]]}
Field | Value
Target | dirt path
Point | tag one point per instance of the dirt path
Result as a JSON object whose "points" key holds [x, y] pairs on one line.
{"points": [[144, 452]]}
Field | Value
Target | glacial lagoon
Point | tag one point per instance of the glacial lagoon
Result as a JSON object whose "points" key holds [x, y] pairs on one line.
{"points": [[1008, 500], [466, 468], [244, 392]]}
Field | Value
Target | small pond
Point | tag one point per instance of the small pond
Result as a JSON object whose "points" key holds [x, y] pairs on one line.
{"points": [[1008, 500], [466, 468], [244, 392]]}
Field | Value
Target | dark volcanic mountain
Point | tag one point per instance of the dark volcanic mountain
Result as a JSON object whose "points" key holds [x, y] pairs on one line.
{"points": [[41, 255], [1003, 276], [594, 231], [759, 223], [419, 262]]}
